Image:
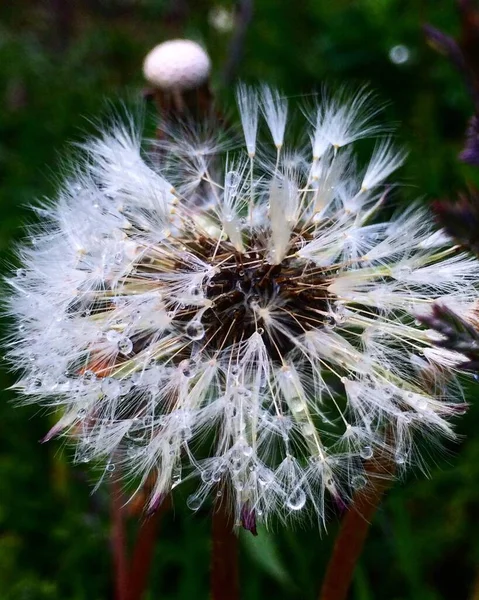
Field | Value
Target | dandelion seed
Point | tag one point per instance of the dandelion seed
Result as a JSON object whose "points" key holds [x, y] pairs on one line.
{"points": [[274, 313]]}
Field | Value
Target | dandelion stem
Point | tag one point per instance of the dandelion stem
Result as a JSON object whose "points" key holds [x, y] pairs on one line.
{"points": [[353, 533], [143, 553], [118, 542], [224, 558]]}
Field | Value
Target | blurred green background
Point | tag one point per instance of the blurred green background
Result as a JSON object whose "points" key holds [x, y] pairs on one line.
{"points": [[61, 64]]}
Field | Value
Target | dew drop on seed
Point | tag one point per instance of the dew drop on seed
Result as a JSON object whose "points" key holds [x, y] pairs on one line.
{"points": [[113, 336], [297, 405], [232, 179], [89, 375], [193, 502], [195, 291], [111, 387], [308, 429], [358, 482], [296, 500], [110, 467], [176, 476], [185, 368], [125, 387], [366, 452], [125, 345], [21, 273], [195, 330], [265, 478], [207, 475]]}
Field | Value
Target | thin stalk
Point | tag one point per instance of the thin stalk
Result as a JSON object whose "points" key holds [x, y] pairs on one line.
{"points": [[353, 533], [224, 557], [118, 542], [143, 553]]}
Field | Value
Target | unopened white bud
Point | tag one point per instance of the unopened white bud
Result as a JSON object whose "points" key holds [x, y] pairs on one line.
{"points": [[180, 64]]}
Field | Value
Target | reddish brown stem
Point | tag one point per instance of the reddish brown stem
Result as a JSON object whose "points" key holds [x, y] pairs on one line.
{"points": [[224, 558], [352, 535], [118, 543], [143, 553]]}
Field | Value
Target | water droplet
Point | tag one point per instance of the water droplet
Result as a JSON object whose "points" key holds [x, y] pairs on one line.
{"points": [[185, 368], [296, 405], [247, 450], [366, 452], [195, 330], [265, 478], [125, 345], [118, 258], [401, 458], [21, 273], [176, 476], [196, 291], [308, 429], [260, 330], [399, 54], [232, 179], [422, 404], [125, 387], [402, 272], [219, 493], [193, 502], [111, 387], [89, 375], [330, 322], [234, 370], [110, 467], [113, 336], [207, 475], [358, 482], [296, 500]]}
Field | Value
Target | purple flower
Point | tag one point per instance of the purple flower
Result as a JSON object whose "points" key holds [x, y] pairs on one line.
{"points": [[470, 154]]}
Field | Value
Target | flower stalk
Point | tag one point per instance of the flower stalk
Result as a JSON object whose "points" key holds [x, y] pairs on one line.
{"points": [[353, 533], [224, 575]]}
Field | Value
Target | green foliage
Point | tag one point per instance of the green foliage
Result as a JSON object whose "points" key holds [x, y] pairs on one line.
{"points": [[58, 73]]}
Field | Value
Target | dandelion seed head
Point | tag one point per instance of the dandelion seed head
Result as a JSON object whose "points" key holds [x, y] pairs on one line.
{"points": [[177, 64], [247, 319]]}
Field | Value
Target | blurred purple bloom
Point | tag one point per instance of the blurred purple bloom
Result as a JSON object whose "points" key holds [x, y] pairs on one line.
{"points": [[470, 154], [248, 519]]}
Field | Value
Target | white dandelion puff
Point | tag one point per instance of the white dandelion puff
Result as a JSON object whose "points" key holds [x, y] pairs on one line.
{"points": [[247, 321]]}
